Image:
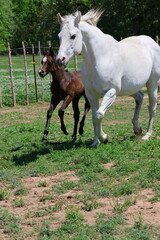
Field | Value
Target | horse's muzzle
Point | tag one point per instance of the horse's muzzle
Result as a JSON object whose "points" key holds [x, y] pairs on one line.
{"points": [[61, 62]]}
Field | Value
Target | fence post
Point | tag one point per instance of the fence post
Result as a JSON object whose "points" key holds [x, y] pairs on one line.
{"points": [[157, 39], [34, 69], [11, 76], [1, 98], [75, 63], [49, 44], [40, 56], [26, 74]]}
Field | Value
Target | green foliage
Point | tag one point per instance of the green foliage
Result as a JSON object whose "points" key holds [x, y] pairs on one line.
{"points": [[38, 20]]}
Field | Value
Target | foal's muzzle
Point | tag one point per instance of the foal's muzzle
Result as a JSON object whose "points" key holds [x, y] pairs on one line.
{"points": [[42, 73]]}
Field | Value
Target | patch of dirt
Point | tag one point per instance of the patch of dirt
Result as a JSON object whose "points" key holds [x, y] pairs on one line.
{"points": [[148, 212], [36, 210], [23, 109]]}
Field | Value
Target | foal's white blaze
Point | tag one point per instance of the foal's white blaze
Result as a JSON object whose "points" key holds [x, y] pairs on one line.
{"points": [[45, 59], [110, 68]]}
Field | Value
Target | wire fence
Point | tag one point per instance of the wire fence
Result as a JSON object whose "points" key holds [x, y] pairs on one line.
{"points": [[20, 82], [19, 79]]}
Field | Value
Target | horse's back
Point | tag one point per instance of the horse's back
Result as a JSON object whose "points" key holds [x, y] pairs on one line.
{"points": [[147, 47]]}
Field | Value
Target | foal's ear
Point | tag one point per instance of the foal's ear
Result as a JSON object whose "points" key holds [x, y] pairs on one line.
{"points": [[60, 18], [51, 52]]}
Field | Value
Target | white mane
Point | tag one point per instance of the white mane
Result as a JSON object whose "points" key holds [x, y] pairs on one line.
{"points": [[91, 17]]}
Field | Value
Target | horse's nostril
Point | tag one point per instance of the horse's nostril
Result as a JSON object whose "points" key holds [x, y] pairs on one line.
{"points": [[63, 58]]}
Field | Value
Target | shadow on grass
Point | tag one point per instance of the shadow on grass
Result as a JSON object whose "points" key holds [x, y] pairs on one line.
{"points": [[44, 149]]}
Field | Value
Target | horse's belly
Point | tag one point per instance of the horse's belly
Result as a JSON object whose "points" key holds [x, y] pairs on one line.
{"points": [[132, 85]]}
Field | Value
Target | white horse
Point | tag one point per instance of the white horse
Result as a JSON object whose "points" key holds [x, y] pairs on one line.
{"points": [[110, 68]]}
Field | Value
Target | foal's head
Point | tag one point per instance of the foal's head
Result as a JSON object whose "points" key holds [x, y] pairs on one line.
{"points": [[48, 64]]}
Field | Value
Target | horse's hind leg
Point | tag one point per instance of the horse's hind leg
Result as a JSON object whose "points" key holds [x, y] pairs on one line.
{"points": [[76, 117], [152, 88], [138, 100], [86, 110], [65, 104]]}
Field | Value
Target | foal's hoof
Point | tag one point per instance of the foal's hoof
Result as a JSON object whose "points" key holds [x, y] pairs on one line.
{"points": [[81, 131], [65, 131], [44, 138], [74, 138]]}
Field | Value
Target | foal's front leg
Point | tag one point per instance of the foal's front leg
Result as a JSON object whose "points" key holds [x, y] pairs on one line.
{"points": [[65, 104], [53, 104]]}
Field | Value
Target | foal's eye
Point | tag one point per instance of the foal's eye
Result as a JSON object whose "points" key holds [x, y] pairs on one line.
{"points": [[73, 36], [49, 63]]}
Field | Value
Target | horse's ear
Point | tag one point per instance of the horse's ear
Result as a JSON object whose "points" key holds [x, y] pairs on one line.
{"points": [[60, 18], [78, 17], [51, 52]]}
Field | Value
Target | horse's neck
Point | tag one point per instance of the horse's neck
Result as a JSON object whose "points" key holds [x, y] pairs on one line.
{"points": [[96, 44]]}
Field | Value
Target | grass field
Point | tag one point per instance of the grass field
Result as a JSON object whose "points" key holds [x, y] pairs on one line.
{"points": [[68, 191]]}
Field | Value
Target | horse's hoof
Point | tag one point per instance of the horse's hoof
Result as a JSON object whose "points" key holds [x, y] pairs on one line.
{"points": [[99, 115], [95, 143], [105, 141], [138, 132], [146, 137]]}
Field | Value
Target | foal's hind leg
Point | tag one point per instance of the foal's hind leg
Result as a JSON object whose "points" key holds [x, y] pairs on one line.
{"points": [[76, 117], [86, 110], [65, 104], [138, 100], [152, 88]]}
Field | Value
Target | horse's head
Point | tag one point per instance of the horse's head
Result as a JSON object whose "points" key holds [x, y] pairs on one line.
{"points": [[48, 64], [70, 38]]}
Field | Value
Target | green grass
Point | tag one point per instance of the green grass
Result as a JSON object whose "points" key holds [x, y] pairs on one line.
{"points": [[135, 166]]}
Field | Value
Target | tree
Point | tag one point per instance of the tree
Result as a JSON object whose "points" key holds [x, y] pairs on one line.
{"points": [[6, 25]]}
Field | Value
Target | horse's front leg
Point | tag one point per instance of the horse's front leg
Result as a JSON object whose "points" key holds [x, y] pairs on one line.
{"points": [[108, 99], [152, 88], [138, 100], [94, 103], [65, 104], [53, 104]]}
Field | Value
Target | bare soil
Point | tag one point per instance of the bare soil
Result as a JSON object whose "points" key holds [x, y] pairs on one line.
{"points": [[30, 215]]}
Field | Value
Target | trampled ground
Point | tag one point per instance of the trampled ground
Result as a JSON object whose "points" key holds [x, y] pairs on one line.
{"points": [[63, 190]]}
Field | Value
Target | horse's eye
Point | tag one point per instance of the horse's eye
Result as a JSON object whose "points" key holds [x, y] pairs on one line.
{"points": [[73, 36]]}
